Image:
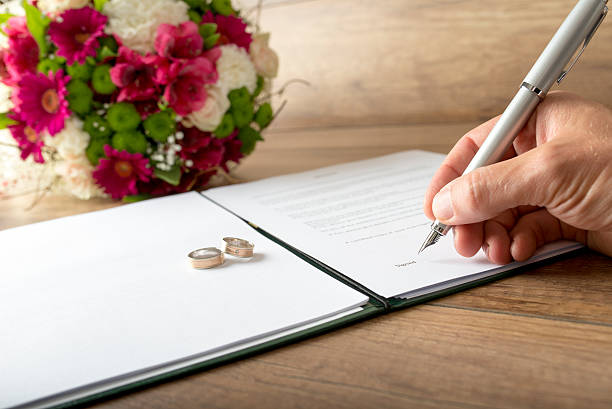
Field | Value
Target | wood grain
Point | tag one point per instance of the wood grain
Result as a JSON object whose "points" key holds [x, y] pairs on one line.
{"points": [[419, 61], [578, 288], [427, 356]]}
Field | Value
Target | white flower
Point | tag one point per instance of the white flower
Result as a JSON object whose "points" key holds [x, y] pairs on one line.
{"points": [[73, 167], [264, 58], [58, 6], [5, 97], [236, 70], [76, 178], [209, 117], [135, 22], [71, 141]]}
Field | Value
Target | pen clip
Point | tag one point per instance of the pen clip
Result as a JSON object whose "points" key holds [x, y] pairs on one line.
{"points": [[588, 38]]}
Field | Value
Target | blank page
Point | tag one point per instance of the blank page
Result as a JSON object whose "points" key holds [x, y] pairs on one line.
{"points": [[100, 295]]}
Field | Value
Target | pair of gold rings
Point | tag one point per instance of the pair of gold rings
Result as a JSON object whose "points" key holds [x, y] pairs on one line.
{"points": [[209, 257]]}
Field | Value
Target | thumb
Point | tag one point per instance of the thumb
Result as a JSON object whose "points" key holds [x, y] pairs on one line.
{"points": [[486, 192]]}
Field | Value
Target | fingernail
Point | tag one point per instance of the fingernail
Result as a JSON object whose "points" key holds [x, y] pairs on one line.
{"points": [[442, 207]]}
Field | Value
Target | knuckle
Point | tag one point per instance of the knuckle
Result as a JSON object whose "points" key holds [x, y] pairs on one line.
{"points": [[474, 196]]}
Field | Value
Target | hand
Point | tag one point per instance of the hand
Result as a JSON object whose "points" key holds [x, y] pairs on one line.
{"points": [[555, 182]]}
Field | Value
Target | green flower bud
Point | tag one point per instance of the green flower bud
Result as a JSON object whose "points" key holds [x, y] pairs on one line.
{"points": [[160, 126], [97, 127], [47, 65], [123, 116], [95, 149], [131, 141], [80, 71], [226, 127], [101, 80], [207, 29], [79, 97], [264, 115], [223, 7], [243, 114], [249, 137], [239, 97]]}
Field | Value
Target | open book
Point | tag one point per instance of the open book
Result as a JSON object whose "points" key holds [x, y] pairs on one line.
{"points": [[95, 304]]}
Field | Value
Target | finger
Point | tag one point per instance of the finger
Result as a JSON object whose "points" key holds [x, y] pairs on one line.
{"points": [[468, 239], [535, 229], [488, 191], [546, 122], [496, 242], [456, 161]]}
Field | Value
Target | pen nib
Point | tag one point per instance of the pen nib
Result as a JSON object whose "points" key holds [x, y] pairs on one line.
{"points": [[431, 239]]}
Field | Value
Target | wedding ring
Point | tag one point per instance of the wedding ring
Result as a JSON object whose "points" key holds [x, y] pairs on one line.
{"points": [[206, 258], [238, 247]]}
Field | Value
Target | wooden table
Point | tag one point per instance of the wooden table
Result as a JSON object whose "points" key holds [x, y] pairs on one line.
{"points": [[388, 76]]}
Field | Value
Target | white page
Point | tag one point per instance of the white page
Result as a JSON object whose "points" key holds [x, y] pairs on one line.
{"points": [[364, 219], [96, 296]]}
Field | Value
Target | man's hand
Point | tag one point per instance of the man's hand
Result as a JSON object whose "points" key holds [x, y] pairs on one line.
{"points": [[555, 182]]}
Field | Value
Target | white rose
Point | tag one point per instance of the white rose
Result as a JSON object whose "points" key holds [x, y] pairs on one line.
{"points": [[236, 70], [58, 6], [76, 178], [264, 58], [135, 22], [209, 117]]}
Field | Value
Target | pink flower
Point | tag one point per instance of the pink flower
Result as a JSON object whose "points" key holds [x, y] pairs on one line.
{"points": [[185, 92], [119, 172], [30, 142], [41, 101], [146, 108], [201, 148], [189, 181], [135, 75], [232, 147], [232, 30], [76, 37], [182, 41], [21, 57]]}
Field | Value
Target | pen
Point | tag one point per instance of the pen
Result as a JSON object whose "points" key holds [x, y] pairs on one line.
{"points": [[570, 39]]}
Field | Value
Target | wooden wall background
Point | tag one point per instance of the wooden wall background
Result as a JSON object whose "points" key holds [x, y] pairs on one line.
{"points": [[398, 62], [390, 75]]}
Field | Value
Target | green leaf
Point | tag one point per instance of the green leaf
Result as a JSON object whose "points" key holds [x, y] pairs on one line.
{"points": [[136, 198], [211, 41], [249, 137], [172, 176], [104, 53], [6, 121], [194, 16], [207, 29], [37, 25], [99, 4], [5, 17], [264, 115]]}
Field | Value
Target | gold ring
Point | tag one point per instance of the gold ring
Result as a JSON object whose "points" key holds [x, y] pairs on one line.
{"points": [[238, 247], [206, 258]]}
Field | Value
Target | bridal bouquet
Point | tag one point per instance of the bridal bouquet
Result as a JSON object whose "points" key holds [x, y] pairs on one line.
{"points": [[132, 98]]}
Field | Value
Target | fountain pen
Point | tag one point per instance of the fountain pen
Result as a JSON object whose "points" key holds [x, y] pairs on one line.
{"points": [[569, 41]]}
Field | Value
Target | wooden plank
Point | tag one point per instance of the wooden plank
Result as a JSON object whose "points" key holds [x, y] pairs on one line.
{"points": [[426, 356], [419, 61], [576, 289]]}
